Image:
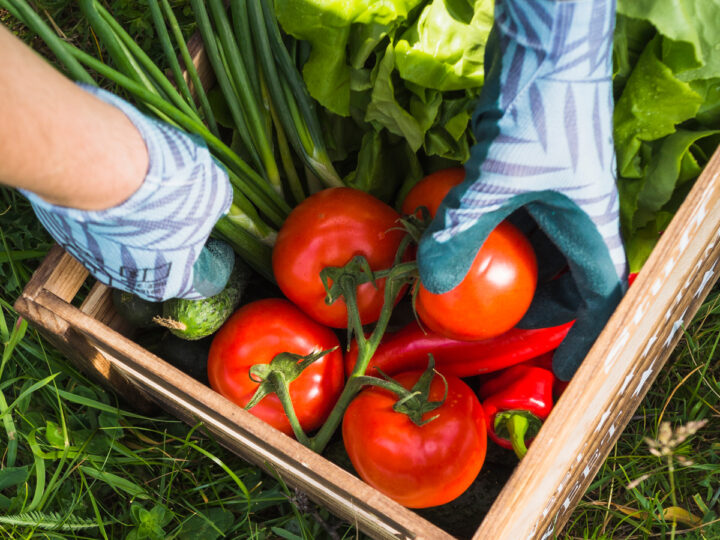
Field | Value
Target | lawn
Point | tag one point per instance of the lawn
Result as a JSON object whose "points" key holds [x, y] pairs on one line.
{"points": [[76, 462]]}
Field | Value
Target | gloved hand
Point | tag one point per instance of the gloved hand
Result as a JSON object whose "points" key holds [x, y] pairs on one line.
{"points": [[153, 244], [544, 144]]}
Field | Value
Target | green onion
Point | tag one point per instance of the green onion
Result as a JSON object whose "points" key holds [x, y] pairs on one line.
{"points": [[190, 68], [290, 96], [33, 21], [261, 139], [159, 78]]}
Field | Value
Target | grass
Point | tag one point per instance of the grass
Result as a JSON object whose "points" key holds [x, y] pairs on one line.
{"points": [[76, 462]]}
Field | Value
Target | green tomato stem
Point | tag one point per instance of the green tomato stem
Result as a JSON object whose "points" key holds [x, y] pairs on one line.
{"points": [[283, 393], [366, 349]]}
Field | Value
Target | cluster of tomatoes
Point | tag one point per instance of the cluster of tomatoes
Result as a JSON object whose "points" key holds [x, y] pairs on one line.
{"points": [[417, 465]]}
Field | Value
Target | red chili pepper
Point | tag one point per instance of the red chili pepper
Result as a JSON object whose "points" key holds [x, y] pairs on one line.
{"points": [[409, 347], [517, 401]]}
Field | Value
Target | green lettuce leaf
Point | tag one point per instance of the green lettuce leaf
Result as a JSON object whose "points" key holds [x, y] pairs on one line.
{"points": [[384, 109], [690, 29], [672, 163], [653, 102], [384, 163], [445, 49], [342, 36]]}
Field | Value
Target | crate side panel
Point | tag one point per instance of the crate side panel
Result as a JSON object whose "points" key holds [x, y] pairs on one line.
{"points": [[610, 383]]}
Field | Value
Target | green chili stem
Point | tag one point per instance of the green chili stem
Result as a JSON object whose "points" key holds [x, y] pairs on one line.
{"points": [[517, 426], [190, 68]]}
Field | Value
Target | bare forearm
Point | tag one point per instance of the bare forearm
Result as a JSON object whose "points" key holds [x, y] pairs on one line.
{"points": [[60, 142]]}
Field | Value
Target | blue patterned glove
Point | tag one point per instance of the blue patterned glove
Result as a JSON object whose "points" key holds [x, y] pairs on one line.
{"points": [[544, 144], [152, 245]]}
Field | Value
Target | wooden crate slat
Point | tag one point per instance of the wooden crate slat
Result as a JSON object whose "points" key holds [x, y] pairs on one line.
{"points": [[60, 273], [616, 374]]}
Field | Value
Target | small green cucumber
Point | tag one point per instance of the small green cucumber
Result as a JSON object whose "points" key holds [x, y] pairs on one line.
{"points": [[196, 319], [138, 312]]}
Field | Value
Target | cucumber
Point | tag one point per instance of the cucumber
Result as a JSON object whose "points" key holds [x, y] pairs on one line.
{"points": [[138, 312], [196, 319]]}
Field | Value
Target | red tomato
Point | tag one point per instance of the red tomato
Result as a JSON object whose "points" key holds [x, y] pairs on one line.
{"points": [[494, 295], [418, 466], [255, 334], [328, 229], [431, 190]]}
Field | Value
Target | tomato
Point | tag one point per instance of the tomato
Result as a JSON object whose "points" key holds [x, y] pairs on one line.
{"points": [[493, 296], [328, 229], [431, 190], [255, 334], [418, 466]]}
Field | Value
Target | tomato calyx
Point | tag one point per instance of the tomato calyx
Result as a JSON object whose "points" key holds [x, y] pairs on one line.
{"points": [[517, 427], [275, 378], [343, 281], [414, 402], [414, 225]]}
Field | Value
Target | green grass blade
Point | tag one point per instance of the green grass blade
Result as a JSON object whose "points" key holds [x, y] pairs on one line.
{"points": [[28, 391], [116, 482], [10, 432]]}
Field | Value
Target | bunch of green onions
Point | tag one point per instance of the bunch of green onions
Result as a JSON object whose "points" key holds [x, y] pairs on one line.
{"points": [[272, 114]]}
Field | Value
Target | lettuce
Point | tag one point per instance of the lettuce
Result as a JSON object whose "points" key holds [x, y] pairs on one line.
{"points": [[667, 113], [406, 72], [445, 50]]}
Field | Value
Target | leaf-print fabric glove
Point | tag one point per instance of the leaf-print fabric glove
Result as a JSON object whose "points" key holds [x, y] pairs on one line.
{"points": [[544, 145], [153, 244]]}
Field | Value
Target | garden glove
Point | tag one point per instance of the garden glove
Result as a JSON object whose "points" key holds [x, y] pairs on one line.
{"points": [[544, 145], [153, 244]]}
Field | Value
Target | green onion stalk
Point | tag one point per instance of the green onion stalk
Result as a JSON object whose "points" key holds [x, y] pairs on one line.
{"points": [[290, 97], [258, 208]]}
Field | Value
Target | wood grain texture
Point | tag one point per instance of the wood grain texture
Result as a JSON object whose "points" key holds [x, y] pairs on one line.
{"points": [[600, 400], [60, 273]]}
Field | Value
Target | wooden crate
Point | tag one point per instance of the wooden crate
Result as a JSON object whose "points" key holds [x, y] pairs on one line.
{"points": [[545, 486], [543, 489]]}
